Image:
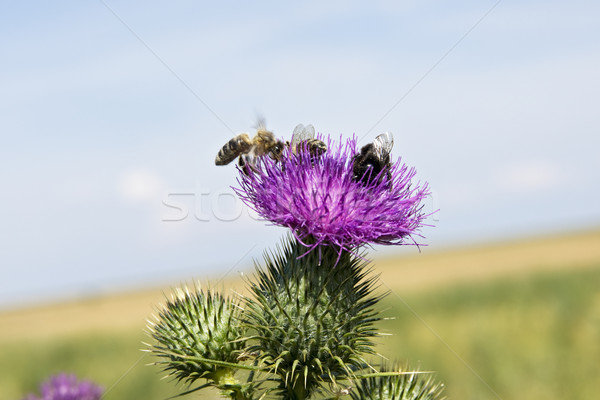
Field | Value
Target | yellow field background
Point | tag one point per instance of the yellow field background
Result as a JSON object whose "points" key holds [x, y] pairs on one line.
{"points": [[76, 334]]}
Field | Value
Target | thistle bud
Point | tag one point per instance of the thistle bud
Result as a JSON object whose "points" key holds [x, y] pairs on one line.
{"points": [[196, 333], [312, 315], [401, 386]]}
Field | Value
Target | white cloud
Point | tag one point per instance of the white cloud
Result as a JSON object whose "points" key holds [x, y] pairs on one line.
{"points": [[139, 184], [528, 176]]}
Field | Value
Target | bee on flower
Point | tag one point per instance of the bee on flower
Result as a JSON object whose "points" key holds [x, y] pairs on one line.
{"points": [[345, 198]]}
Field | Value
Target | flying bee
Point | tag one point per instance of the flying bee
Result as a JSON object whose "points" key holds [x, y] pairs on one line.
{"points": [[304, 138], [248, 150], [373, 159]]}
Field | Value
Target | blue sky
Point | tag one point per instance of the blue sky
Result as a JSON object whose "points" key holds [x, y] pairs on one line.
{"points": [[111, 109]]}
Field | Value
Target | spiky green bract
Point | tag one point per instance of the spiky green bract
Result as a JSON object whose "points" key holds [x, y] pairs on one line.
{"points": [[193, 330], [313, 320], [402, 386]]}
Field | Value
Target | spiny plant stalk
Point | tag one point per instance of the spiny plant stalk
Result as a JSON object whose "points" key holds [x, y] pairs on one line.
{"points": [[313, 316]]}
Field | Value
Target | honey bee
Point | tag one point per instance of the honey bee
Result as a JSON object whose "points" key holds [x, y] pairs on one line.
{"points": [[248, 150], [373, 159], [304, 137]]}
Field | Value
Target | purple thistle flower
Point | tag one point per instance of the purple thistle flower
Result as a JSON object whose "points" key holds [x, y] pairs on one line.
{"points": [[322, 204], [67, 387]]}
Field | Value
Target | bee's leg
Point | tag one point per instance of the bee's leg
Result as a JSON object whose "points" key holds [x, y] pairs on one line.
{"points": [[242, 163], [247, 163]]}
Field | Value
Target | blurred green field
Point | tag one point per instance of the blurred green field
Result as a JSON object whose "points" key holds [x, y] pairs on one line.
{"points": [[534, 334], [528, 338]]}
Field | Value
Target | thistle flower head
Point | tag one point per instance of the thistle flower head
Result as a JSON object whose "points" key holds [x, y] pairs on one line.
{"points": [[67, 387], [323, 203]]}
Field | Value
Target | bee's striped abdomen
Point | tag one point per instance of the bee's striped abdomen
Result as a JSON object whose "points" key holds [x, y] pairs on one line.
{"points": [[236, 146], [316, 147]]}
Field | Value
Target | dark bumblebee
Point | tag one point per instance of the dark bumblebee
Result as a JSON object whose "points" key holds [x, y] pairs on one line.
{"points": [[367, 166]]}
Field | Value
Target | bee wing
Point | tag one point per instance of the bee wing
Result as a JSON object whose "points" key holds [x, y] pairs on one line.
{"points": [[310, 131], [302, 133], [383, 144], [261, 123], [297, 133]]}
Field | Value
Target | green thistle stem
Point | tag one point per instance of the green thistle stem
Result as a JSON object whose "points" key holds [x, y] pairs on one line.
{"points": [[298, 392], [230, 387]]}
